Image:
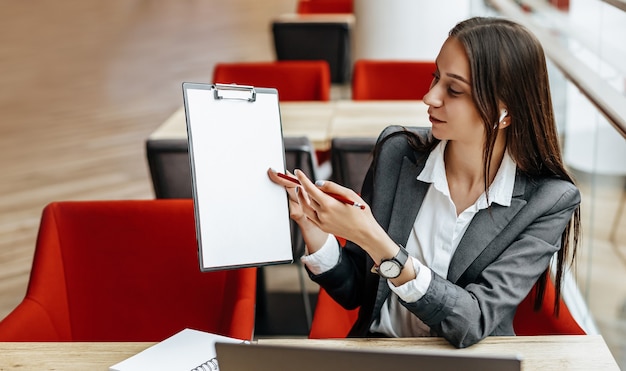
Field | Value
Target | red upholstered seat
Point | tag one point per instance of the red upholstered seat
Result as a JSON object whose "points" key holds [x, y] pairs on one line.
{"points": [[295, 80], [391, 79], [324, 6], [126, 271], [527, 321], [333, 321]]}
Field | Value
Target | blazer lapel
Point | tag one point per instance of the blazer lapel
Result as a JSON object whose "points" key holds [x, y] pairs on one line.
{"points": [[410, 193], [486, 225]]}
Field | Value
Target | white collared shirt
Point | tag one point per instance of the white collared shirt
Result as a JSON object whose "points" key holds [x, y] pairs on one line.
{"points": [[430, 246]]}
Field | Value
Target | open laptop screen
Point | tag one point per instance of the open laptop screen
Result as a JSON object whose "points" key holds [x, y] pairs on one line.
{"points": [[265, 357]]}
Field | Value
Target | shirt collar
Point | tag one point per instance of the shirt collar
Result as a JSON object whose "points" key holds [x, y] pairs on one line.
{"points": [[500, 191]]}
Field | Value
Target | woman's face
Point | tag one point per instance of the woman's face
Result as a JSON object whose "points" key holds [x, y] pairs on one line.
{"points": [[451, 109]]}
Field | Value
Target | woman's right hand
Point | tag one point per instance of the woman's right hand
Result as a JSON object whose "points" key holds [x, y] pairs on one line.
{"points": [[314, 238]]}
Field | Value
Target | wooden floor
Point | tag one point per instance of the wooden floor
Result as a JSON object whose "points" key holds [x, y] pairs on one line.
{"points": [[83, 84]]}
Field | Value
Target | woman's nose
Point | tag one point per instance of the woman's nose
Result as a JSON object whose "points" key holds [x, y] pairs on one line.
{"points": [[432, 98]]}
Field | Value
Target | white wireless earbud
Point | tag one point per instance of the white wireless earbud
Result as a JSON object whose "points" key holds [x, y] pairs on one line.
{"points": [[503, 114]]}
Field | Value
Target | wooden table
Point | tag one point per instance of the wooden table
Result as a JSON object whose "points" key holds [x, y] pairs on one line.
{"points": [[538, 352], [321, 121]]}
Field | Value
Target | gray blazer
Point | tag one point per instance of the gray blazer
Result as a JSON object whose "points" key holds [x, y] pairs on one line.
{"points": [[498, 260]]}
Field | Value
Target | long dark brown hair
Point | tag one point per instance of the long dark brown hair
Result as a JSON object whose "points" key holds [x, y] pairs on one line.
{"points": [[508, 67]]}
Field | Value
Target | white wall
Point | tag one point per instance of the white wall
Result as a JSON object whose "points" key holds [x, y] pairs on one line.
{"points": [[404, 29]]}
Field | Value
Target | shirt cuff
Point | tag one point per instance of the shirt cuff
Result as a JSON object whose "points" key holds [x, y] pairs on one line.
{"points": [[414, 289], [325, 258]]}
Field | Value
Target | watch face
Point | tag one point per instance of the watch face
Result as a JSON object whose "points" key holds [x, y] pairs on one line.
{"points": [[389, 269]]}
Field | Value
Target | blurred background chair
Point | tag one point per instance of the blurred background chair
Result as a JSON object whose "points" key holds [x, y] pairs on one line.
{"points": [[331, 320], [295, 80], [126, 271], [324, 6], [529, 321], [389, 80], [170, 168], [316, 37], [275, 309], [299, 154], [350, 159]]}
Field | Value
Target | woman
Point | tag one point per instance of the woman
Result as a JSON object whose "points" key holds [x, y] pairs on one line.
{"points": [[462, 219]]}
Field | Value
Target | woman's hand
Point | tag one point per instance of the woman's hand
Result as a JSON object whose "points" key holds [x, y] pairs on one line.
{"points": [[334, 216], [314, 238], [318, 214], [345, 220], [295, 211]]}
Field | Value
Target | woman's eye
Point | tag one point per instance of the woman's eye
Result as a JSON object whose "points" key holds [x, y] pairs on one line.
{"points": [[454, 92]]}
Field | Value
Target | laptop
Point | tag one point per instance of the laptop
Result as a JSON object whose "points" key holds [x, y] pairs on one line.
{"points": [[266, 357]]}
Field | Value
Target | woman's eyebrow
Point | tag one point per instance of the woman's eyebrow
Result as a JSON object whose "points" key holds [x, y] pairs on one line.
{"points": [[457, 77]]}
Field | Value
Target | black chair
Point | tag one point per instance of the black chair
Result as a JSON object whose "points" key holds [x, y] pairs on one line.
{"points": [[299, 154], [169, 165], [168, 161], [299, 39], [170, 170], [350, 159]]}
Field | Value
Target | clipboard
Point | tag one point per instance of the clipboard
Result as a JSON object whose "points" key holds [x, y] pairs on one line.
{"points": [[235, 135]]}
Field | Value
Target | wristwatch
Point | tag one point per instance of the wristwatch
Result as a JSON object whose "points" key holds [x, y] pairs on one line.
{"points": [[391, 268]]}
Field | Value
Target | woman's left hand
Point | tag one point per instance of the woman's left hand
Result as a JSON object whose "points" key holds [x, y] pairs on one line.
{"points": [[334, 216]]}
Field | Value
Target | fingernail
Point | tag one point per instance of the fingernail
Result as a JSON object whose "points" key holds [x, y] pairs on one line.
{"points": [[320, 183]]}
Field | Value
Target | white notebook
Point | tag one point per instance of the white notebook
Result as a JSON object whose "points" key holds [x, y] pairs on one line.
{"points": [[185, 351]]}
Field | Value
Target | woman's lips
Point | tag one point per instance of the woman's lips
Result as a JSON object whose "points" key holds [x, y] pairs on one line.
{"points": [[435, 120]]}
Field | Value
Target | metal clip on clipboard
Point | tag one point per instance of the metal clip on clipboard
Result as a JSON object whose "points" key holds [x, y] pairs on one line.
{"points": [[236, 90]]}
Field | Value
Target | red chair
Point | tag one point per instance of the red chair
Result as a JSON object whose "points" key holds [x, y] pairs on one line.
{"points": [[325, 6], [295, 80], [331, 320], [126, 271], [527, 321], [389, 80]]}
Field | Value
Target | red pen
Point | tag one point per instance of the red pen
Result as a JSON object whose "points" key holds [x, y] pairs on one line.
{"points": [[333, 195]]}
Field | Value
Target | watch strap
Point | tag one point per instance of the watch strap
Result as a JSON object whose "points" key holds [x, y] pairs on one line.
{"points": [[401, 258]]}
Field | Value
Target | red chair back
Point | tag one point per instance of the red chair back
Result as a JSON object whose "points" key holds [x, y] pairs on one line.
{"points": [[389, 80], [331, 320], [295, 80], [527, 321], [325, 6], [126, 271]]}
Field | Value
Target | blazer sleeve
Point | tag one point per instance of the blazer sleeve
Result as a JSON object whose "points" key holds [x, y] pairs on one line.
{"points": [[486, 306], [349, 283]]}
